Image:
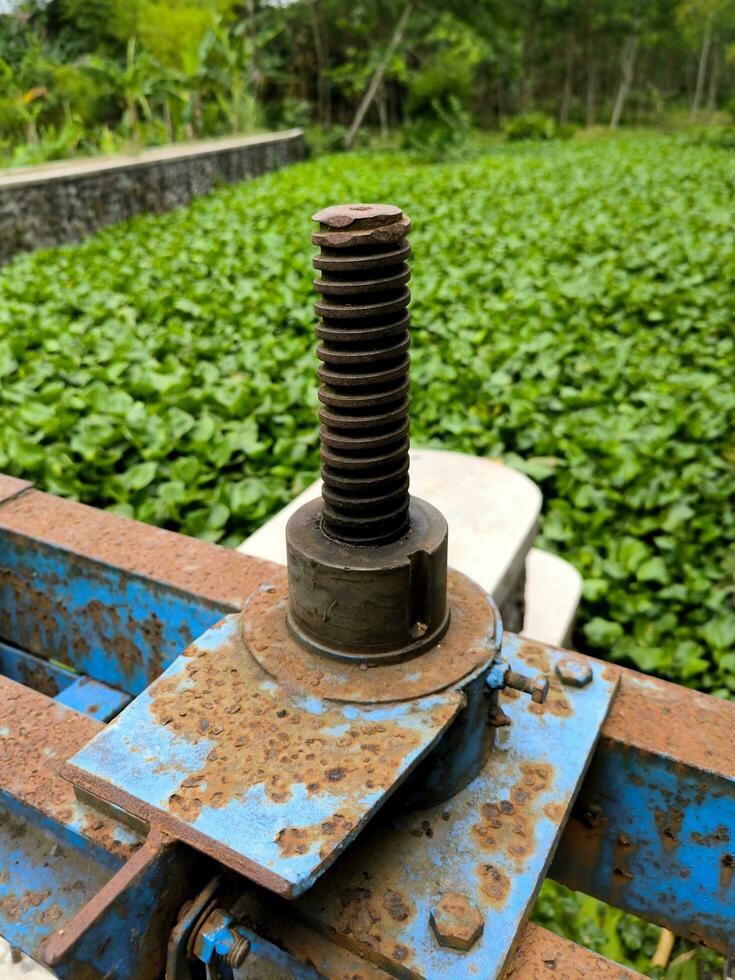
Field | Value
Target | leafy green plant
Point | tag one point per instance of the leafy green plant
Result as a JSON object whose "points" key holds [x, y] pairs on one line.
{"points": [[442, 135], [530, 126]]}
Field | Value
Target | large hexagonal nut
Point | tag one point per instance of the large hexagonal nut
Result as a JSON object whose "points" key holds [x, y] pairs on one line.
{"points": [[573, 672], [456, 922]]}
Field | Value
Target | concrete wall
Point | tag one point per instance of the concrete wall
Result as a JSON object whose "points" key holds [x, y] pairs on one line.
{"points": [[62, 202]]}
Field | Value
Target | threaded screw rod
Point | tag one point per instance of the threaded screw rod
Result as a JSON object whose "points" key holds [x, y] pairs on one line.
{"points": [[363, 346]]}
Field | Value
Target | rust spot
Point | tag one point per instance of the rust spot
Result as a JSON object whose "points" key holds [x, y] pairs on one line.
{"points": [[535, 655], [34, 676], [396, 906], [494, 884], [301, 840], [293, 840], [669, 826], [351, 896], [15, 907], [622, 875], [554, 811], [720, 835], [507, 826], [727, 863], [259, 746]]}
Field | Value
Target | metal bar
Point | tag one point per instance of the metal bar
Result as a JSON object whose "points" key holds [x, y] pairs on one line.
{"points": [[55, 852], [37, 735], [114, 599], [90, 697], [123, 930], [653, 829], [39, 674], [11, 487], [541, 954], [76, 691]]}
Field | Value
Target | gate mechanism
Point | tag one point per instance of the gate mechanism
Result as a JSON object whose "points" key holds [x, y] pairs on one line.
{"points": [[339, 776]]}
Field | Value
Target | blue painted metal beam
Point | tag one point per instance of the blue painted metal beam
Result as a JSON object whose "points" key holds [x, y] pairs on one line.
{"points": [[47, 873], [665, 755], [109, 597], [85, 695], [653, 829], [123, 930]]}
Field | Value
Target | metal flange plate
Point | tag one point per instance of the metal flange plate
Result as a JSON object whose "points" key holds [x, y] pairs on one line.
{"points": [[271, 782], [487, 848]]}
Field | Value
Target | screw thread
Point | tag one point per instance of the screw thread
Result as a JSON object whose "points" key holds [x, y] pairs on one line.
{"points": [[239, 952], [363, 348], [519, 682]]}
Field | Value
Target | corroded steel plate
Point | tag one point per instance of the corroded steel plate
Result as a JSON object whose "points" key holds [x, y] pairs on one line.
{"points": [[468, 647], [490, 844], [269, 781]]}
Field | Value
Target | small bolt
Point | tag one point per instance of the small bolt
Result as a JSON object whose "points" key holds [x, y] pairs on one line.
{"points": [[573, 673], [537, 687], [456, 922]]}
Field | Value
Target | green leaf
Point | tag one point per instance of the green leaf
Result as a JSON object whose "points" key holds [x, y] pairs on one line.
{"points": [[138, 477], [720, 632], [653, 570], [601, 632]]}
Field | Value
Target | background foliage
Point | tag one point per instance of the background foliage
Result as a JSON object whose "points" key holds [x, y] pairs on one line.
{"points": [[573, 315], [83, 76]]}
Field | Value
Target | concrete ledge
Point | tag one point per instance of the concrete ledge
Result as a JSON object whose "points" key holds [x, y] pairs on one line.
{"points": [[54, 203], [553, 591]]}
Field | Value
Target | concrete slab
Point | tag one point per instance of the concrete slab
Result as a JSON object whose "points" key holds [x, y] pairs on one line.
{"points": [[553, 591], [22, 969]]}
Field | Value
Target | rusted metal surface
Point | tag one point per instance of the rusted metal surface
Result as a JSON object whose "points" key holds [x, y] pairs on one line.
{"points": [[112, 598], [123, 930], [76, 691], [11, 487], [666, 719], [37, 735], [275, 921], [269, 781], [653, 830], [491, 842], [46, 873], [468, 648], [372, 604], [221, 575], [540, 955]]}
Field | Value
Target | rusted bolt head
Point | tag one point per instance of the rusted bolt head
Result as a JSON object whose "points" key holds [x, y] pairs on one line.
{"points": [[456, 922], [539, 689], [574, 673], [357, 215]]}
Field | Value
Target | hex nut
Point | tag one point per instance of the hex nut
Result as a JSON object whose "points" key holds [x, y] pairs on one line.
{"points": [[539, 689], [456, 922], [573, 673]]}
